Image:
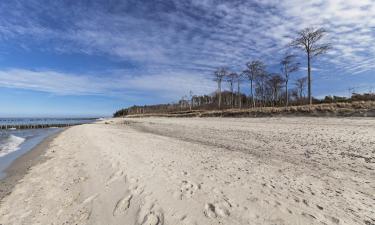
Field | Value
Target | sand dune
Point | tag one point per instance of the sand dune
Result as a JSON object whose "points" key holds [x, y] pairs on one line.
{"points": [[202, 171]]}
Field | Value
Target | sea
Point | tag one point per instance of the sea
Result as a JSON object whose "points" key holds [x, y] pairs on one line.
{"points": [[16, 142]]}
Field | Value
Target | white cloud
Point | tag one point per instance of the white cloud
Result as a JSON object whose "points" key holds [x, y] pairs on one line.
{"points": [[187, 38], [168, 86], [51, 81]]}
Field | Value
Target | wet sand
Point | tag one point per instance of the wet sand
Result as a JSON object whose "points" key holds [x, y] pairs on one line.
{"points": [[19, 168]]}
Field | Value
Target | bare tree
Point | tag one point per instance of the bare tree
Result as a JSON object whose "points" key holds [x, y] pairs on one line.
{"points": [[239, 80], [351, 91], [261, 88], [275, 83], [254, 69], [231, 78], [308, 39], [300, 86], [288, 66], [183, 102], [191, 99], [219, 75]]}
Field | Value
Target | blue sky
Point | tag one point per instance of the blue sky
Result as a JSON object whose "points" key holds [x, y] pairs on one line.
{"points": [[89, 58]]}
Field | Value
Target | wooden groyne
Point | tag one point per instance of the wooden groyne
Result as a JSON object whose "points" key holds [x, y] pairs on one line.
{"points": [[33, 126]]}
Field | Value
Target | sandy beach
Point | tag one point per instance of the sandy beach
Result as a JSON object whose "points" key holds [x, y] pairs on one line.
{"points": [[19, 168], [156, 171]]}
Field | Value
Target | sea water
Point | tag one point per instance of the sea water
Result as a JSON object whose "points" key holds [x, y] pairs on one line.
{"points": [[14, 143]]}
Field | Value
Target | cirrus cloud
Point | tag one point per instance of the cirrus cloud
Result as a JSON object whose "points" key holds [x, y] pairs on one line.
{"points": [[171, 39]]}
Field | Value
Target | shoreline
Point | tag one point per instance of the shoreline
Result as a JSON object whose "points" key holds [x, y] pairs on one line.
{"points": [[20, 166]]}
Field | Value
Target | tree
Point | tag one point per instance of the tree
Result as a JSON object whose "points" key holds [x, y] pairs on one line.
{"points": [[231, 78], [288, 66], [275, 83], [261, 87], [239, 80], [254, 69], [183, 102], [219, 75], [309, 40], [191, 99], [300, 86]]}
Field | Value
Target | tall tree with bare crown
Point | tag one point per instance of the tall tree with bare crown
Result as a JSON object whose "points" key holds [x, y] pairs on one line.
{"points": [[288, 66], [231, 79], [309, 40], [254, 69], [219, 75], [239, 79]]}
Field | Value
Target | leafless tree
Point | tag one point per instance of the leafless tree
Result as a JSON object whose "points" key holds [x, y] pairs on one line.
{"points": [[191, 99], [300, 84], [219, 75], [261, 88], [351, 91], [239, 79], [309, 40], [184, 102], [275, 83], [254, 69], [231, 79], [288, 66], [294, 94]]}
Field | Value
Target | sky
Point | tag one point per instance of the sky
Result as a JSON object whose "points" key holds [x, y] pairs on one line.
{"points": [[90, 58]]}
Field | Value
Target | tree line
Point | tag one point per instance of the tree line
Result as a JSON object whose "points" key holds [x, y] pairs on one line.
{"points": [[266, 89], [270, 89], [209, 102]]}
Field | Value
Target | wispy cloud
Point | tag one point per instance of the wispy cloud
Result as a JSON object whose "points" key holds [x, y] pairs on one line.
{"points": [[166, 86], [176, 41], [53, 82]]}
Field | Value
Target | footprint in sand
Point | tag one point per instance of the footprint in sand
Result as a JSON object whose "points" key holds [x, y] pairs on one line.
{"points": [[187, 189], [216, 210], [136, 189], [150, 214], [81, 216], [90, 199], [209, 210], [122, 205], [153, 219], [115, 176]]}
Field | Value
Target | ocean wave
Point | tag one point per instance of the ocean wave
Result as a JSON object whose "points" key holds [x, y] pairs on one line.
{"points": [[10, 143]]}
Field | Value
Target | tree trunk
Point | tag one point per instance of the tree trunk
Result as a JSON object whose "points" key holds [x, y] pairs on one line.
{"points": [[252, 95], [219, 87], [232, 95], [239, 95], [309, 77], [286, 93]]}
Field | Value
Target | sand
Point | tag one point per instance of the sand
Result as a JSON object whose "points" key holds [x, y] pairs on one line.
{"points": [[202, 171], [17, 170]]}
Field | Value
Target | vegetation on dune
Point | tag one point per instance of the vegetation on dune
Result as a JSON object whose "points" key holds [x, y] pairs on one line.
{"points": [[356, 105]]}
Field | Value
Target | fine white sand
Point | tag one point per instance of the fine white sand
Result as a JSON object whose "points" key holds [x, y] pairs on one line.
{"points": [[202, 171]]}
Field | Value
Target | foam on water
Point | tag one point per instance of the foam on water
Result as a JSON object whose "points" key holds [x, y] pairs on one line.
{"points": [[10, 143], [16, 142]]}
